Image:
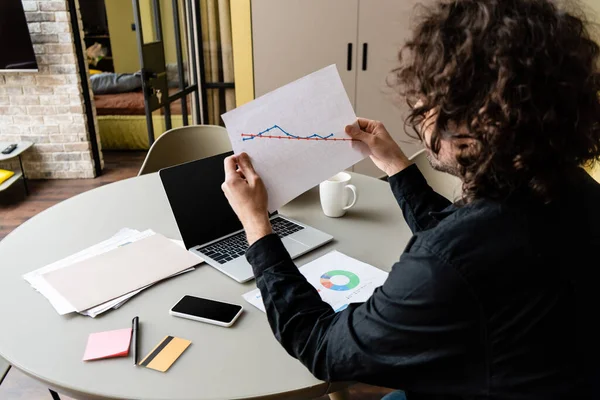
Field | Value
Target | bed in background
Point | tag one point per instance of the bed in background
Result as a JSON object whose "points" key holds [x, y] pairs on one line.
{"points": [[128, 132], [121, 116]]}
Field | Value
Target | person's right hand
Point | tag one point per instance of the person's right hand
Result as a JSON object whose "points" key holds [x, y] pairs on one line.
{"points": [[385, 152]]}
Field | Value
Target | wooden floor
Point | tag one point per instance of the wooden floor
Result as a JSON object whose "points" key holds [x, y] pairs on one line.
{"points": [[16, 208]]}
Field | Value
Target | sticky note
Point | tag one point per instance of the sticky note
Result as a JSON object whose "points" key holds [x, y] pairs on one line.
{"points": [[108, 344], [165, 353]]}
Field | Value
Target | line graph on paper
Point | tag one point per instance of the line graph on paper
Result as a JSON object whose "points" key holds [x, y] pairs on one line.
{"points": [[295, 135], [280, 133]]}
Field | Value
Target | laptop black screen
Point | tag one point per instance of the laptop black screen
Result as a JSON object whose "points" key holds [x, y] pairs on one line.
{"points": [[201, 209]]}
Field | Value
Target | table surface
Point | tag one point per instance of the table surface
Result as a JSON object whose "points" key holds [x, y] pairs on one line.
{"points": [[244, 361], [21, 147]]}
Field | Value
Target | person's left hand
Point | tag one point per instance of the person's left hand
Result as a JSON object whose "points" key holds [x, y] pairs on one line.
{"points": [[247, 196]]}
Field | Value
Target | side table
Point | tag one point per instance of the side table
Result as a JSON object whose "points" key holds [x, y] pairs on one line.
{"points": [[21, 148]]}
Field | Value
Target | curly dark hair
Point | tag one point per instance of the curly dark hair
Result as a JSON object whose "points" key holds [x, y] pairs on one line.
{"points": [[521, 75]]}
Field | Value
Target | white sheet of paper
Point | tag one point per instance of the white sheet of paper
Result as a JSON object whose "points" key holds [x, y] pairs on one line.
{"points": [[293, 134], [60, 304], [119, 301], [97, 280], [339, 279]]}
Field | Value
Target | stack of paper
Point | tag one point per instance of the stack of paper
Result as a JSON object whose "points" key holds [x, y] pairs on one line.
{"points": [[48, 280], [339, 279]]}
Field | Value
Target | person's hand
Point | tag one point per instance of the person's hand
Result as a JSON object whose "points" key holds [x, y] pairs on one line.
{"points": [[385, 152], [247, 195]]}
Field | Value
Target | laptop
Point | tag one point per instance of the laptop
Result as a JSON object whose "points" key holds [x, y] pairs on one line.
{"points": [[210, 228]]}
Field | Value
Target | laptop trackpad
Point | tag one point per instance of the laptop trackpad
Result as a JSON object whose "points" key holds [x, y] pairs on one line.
{"points": [[294, 247]]}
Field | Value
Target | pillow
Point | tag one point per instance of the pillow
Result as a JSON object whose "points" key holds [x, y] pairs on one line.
{"points": [[4, 175], [111, 83]]}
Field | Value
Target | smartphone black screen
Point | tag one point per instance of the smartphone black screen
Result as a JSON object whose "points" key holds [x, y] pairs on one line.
{"points": [[205, 308]]}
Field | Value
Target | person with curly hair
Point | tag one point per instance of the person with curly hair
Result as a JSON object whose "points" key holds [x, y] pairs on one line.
{"points": [[494, 296]]}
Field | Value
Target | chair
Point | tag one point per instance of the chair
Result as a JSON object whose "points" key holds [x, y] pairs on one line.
{"points": [[188, 143], [443, 183], [4, 368]]}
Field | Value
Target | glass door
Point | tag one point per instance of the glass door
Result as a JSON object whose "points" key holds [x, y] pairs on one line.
{"points": [[167, 53]]}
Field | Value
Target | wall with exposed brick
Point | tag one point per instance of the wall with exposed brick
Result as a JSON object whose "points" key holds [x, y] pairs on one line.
{"points": [[47, 107]]}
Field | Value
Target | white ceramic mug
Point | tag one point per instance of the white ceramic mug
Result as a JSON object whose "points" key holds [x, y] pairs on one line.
{"points": [[334, 195]]}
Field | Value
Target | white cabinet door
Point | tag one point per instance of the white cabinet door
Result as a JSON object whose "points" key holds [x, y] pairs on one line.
{"points": [[292, 38], [384, 26]]}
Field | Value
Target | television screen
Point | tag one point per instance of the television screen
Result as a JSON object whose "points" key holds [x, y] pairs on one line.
{"points": [[16, 49]]}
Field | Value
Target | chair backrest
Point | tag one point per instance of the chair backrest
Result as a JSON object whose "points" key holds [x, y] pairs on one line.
{"points": [[188, 143], [443, 183], [4, 367]]}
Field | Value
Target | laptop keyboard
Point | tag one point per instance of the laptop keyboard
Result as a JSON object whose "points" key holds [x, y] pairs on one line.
{"points": [[235, 246]]}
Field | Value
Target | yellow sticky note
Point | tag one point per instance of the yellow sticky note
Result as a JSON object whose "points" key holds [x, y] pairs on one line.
{"points": [[165, 353]]}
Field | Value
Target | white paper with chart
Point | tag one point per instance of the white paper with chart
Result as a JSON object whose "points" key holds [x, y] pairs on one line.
{"points": [[339, 279], [295, 134]]}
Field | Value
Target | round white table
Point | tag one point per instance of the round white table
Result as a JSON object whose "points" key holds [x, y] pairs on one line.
{"points": [[244, 361]]}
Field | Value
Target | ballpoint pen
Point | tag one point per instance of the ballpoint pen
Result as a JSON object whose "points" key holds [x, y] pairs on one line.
{"points": [[135, 323]]}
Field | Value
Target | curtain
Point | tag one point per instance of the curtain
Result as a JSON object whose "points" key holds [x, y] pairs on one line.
{"points": [[218, 56]]}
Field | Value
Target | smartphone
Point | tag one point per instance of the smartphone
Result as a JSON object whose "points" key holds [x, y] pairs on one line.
{"points": [[206, 310]]}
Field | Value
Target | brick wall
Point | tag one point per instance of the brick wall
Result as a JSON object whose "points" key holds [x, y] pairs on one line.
{"points": [[47, 107]]}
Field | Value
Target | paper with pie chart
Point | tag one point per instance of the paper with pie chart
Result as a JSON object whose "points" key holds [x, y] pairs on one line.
{"points": [[339, 279]]}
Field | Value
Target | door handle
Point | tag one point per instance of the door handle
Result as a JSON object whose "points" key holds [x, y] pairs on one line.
{"points": [[364, 56], [147, 75], [349, 60]]}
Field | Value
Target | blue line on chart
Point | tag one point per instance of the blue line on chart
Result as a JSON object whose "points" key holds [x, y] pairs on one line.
{"points": [[314, 135]]}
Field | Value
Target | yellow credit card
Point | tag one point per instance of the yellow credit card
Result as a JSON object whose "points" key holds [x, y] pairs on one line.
{"points": [[165, 353]]}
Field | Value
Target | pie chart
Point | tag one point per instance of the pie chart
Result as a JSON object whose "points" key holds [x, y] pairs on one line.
{"points": [[339, 280]]}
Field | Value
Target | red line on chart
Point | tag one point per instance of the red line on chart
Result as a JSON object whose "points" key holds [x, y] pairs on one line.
{"points": [[250, 135], [289, 136]]}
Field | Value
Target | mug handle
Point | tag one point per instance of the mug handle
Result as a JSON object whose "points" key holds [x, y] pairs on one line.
{"points": [[355, 193]]}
